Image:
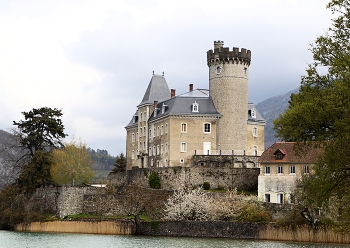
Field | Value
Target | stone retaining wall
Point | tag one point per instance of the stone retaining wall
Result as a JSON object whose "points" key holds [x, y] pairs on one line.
{"points": [[173, 178], [202, 229]]}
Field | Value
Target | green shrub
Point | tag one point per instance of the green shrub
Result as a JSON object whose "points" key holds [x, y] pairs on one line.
{"points": [[154, 181], [221, 187], [206, 186], [292, 219], [175, 169], [253, 213]]}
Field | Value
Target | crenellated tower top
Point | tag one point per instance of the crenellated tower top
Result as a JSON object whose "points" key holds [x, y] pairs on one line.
{"points": [[223, 54]]}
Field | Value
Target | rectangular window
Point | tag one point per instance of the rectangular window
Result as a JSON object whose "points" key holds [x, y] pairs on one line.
{"points": [[133, 155], [183, 128], [267, 198], [306, 169], [157, 149], [150, 133], [255, 131], [161, 149], [158, 131], [206, 127], [292, 169], [150, 151], [140, 133], [279, 169], [166, 147], [154, 150], [154, 132], [280, 198], [144, 131], [144, 116], [161, 130], [133, 137], [166, 127], [267, 170], [183, 147], [144, 145]]}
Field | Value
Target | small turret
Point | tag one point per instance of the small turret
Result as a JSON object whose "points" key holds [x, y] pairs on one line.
{"points": [[218, 44]]}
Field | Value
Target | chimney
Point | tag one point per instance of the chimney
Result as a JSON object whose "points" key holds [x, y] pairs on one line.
{"points": [[155, 104], [172, 93], [191, 87], [218, 44]]}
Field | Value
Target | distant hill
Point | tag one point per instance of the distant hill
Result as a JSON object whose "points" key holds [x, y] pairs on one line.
{"points": [[7, 172], [270, 109]]}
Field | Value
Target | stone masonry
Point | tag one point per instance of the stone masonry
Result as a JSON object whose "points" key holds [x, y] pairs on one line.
{"points": [[228, 85]]}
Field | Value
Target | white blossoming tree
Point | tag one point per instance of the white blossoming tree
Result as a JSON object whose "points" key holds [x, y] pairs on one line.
{"points": [[188, 205]]}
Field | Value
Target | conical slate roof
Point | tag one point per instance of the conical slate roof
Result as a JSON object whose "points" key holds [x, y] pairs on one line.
{"points": [[157, 90]]}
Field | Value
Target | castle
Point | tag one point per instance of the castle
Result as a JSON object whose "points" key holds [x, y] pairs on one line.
{"points": [[168, 130]]}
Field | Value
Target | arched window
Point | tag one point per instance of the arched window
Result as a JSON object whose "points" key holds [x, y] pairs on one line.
{"points": [[195, 107], [255, 151]]}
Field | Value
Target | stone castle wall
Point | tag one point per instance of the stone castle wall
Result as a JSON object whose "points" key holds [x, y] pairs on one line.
{"points": [[173, 178]]}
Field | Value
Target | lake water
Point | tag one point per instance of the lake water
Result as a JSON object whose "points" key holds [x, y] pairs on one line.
{"points": [[59, 240]]}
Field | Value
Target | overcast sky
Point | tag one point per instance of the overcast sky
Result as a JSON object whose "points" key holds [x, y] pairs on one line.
{"points": [[94, 59]]}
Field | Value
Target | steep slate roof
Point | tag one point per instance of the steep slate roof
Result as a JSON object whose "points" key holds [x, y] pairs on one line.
{"points": [[258, 117], [182, 105], [132, 123], [310, 156], [157, 90]]}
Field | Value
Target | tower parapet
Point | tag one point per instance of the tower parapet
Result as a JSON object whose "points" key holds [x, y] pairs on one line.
{"points": [[223, 54]]}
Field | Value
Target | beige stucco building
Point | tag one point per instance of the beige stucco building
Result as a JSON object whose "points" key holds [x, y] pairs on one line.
{"points": [[168, 129], [281, 167]]}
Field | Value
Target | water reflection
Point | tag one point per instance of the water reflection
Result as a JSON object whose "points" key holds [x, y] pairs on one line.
{"points": [[59, 240]]}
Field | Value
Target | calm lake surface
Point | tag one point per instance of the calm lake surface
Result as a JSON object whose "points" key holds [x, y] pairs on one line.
{"points": [[58, 240]]}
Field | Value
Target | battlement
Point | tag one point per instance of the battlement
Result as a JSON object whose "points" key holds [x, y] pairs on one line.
{"points": [[224, 54]]}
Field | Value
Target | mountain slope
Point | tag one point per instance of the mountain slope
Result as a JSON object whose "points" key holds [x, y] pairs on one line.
{"points": [[270, 109]]}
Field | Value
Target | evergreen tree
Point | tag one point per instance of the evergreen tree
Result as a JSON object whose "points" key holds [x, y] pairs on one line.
{"points": [[120, 164]]}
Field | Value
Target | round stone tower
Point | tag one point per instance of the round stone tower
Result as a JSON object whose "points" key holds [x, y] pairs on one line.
{"points": [[228, 85]]}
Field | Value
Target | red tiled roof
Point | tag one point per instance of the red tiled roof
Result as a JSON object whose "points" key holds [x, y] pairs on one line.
{"points": [[309, 155]]}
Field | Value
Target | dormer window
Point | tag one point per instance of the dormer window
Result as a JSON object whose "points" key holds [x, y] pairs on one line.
{"points": [[253, 113], [279, 154], [195, 107], [155, 112], [164, 108]]}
